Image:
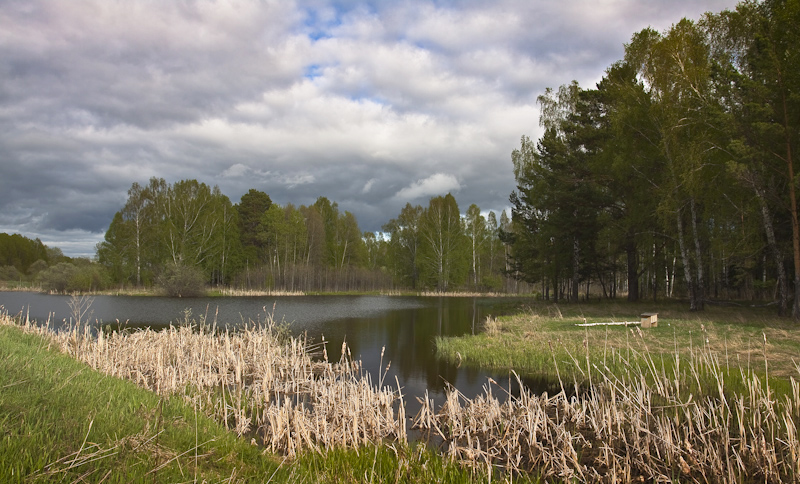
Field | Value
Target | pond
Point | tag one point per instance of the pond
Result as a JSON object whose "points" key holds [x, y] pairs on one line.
{"points": [[402, 328]]}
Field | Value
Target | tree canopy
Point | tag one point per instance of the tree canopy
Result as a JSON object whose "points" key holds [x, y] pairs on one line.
{"points": [[676, 169]]}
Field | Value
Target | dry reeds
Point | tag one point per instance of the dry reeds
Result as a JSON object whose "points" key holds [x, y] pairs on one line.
{"points": [[492, 326], [254, 380], [645, 421], [465, 294], [638, 424], [230, 291]]}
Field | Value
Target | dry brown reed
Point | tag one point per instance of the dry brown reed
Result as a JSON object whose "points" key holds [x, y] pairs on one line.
{"points": [[465, 294], [492, 326], [255, 381], [230, 291], [636, 423]]}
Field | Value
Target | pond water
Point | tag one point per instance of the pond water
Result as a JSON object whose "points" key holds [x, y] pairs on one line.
{"points": [[404, 326]]}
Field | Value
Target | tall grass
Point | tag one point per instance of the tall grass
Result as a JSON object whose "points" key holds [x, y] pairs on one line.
{"points": [[530, 340], [637, 416], [637, 423], [257, 381], [237, 292], [62, 422]]}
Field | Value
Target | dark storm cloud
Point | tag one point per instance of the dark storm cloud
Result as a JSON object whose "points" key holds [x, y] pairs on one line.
{"points": [[370, 104]]}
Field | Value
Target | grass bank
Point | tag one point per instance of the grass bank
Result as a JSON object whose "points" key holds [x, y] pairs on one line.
{"points": [[318, 421], [542, 338], [63, 421]]}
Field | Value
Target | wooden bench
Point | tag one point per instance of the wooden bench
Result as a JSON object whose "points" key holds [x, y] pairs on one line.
{"points": [[649, 320]]}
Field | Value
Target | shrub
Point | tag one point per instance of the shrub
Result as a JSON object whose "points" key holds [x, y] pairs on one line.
{"points": [[37, 267], [58, 277], [89, 277], [179, 280], [9, 273]]}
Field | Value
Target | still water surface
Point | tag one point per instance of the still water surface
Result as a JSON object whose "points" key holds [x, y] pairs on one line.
{"points": [[404, 326]]}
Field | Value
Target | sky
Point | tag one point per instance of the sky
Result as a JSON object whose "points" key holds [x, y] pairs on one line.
{"points": [[370, 104]]}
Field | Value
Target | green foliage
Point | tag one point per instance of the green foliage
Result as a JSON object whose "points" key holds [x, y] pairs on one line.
{"points": [[343, 242], [9, 273], [643, 174], [186, 223], [89, 277], [81, 275], [20, 252], [405, 238], [37, 267], [58, 278], [181, 280], [251, 209], [444, 256], [113, 251]]}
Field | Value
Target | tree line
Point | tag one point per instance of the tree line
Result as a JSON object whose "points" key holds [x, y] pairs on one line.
{"points": [[187, 235], [675, 175], [26, 262]]}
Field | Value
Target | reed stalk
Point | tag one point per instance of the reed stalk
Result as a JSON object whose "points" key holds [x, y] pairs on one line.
{"points": [[640, 419]]}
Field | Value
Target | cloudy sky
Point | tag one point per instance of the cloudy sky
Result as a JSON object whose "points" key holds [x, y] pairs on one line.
{"points": [[371, 104]]}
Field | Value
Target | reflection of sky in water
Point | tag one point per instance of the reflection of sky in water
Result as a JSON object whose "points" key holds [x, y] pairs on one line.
{"points": [[405, 326]]}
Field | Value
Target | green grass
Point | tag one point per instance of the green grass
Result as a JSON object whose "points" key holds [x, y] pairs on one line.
{"points": [[544, 340], [61, 421], [408, 464]]}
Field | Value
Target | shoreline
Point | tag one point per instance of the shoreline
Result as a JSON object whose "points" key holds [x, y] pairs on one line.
{"points": [[211, 293]]}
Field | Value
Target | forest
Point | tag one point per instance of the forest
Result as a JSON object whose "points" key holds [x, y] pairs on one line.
{"points": [[173, 233], [187, 236], [673, 177]]}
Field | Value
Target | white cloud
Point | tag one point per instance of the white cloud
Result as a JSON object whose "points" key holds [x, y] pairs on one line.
{"points": [[299, 99], [437, 184], [236, 171], [368, 186]]}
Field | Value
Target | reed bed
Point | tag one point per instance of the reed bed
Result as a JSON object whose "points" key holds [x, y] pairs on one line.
{"points": [[644, 422], [465, 294], [647, 420], [259, 383], [231, 291]]}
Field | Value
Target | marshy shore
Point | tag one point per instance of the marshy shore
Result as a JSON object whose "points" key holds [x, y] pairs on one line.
{"points": [[634, 415]]}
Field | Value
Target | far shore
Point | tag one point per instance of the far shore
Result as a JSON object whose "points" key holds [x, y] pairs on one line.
{"points": [[233, 292]]}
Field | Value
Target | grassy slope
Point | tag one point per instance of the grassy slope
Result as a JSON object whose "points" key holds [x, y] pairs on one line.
{"points": [[60, 421]]}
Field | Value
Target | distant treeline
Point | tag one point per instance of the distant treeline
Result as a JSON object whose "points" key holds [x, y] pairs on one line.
{"points": [[676, 170], [185, 235], [26, 262], [18, 253]]}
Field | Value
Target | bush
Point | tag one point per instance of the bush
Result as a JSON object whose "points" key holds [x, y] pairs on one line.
{"points": [[89, 277], [58, 277], [66, 277], [37, 267], [179, 280], [9, 273]]}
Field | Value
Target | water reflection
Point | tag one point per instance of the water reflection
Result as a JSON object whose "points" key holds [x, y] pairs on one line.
{"points": [[405, 326]]}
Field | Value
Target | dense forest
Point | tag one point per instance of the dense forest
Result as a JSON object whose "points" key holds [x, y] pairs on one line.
{"points": [[168, 234], [676, 169], [672, 178], [187, 236]]}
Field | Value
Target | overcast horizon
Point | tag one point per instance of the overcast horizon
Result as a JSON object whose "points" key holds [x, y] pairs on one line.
{"points": [[370, 104]]}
